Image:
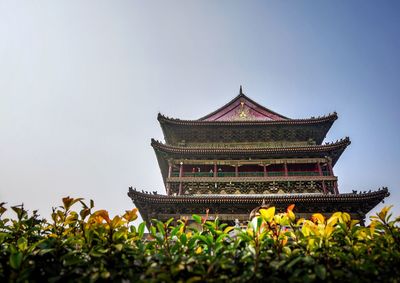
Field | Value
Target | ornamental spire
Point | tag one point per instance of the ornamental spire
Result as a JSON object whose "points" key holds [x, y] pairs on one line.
{"points": [[240, 90]]}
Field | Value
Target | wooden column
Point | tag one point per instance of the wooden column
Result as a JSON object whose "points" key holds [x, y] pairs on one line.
{"points": [[236, 170], [169, 169], [180, 178], [335, 187], [324, 187], [215, 169], [265, 170], [330, 167], [168, 187], [286, 169], [181, 169], [319, 168]]}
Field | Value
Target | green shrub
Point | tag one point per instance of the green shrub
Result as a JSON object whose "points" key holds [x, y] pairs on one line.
{"points": [[88, 245]]}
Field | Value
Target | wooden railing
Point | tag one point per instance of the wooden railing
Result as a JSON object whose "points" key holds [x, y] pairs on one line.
{"points": [[250, 174], [303, 173]]}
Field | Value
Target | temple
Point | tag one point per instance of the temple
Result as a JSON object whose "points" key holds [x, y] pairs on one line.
{"points": [[244, 155]]}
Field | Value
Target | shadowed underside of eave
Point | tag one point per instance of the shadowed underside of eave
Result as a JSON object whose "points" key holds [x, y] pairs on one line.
{"points": [[150, 204]]}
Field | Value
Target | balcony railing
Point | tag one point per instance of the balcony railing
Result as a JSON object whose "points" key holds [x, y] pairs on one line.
{"points": [[250, 174], [226, 174], [198, 174], [274, 174], [303, 173]]}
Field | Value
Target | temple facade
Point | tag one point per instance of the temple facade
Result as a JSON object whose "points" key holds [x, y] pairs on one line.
{"points": [[244, 155]]}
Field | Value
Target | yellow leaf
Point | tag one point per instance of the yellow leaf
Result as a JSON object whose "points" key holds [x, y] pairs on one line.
{"points": [[332, 221], [328, 231], [300, 221], [305, 230], [362, 235], [354, 222], [228, 229], [291, 215], [372, 227], [116, 221], [318, 218], [103, 214], [283, 220], [267, 214], [382, 214], [198, 250], [130, 215], [346, 217]]}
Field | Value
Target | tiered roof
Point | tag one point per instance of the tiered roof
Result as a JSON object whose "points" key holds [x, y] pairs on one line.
{"points": [[333, 150], [240, 114]]}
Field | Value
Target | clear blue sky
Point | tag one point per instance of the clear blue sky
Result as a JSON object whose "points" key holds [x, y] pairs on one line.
{"points": [[81, 83]]}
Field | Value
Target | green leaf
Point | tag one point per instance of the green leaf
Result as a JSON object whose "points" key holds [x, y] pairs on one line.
{"points": [[287, 250], [160, 227], [194, 279], [3, 237], [16, 260], [320, 271], [118, 247], [141, 229], [153, 231], [175, 230], [22, 244], [196, 218], [169, 221], [293, 263], [221, 237], [183, 239]]}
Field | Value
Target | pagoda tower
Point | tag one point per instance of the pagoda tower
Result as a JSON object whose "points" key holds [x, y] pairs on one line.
{"points": [[244, 155]]}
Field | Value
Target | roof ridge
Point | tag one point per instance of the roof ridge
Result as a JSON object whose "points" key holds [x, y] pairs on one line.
{"points": [[237, 97], [327, 117]]}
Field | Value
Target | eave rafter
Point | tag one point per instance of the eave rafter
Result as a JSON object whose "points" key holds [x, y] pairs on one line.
{"points": [[153, 205], [157, 199], [332, 150]]}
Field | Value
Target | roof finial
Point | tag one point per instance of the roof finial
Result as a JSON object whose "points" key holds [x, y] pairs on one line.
{"points": [[240, 91]]}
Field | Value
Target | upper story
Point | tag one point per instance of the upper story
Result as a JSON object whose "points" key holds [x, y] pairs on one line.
{"points": [[243, 123]]}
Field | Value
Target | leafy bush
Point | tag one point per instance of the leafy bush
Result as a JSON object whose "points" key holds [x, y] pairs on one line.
{"points": [[90, 246]]}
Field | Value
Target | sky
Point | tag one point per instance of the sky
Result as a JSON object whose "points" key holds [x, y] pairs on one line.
{"points": [[82, 82]]}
